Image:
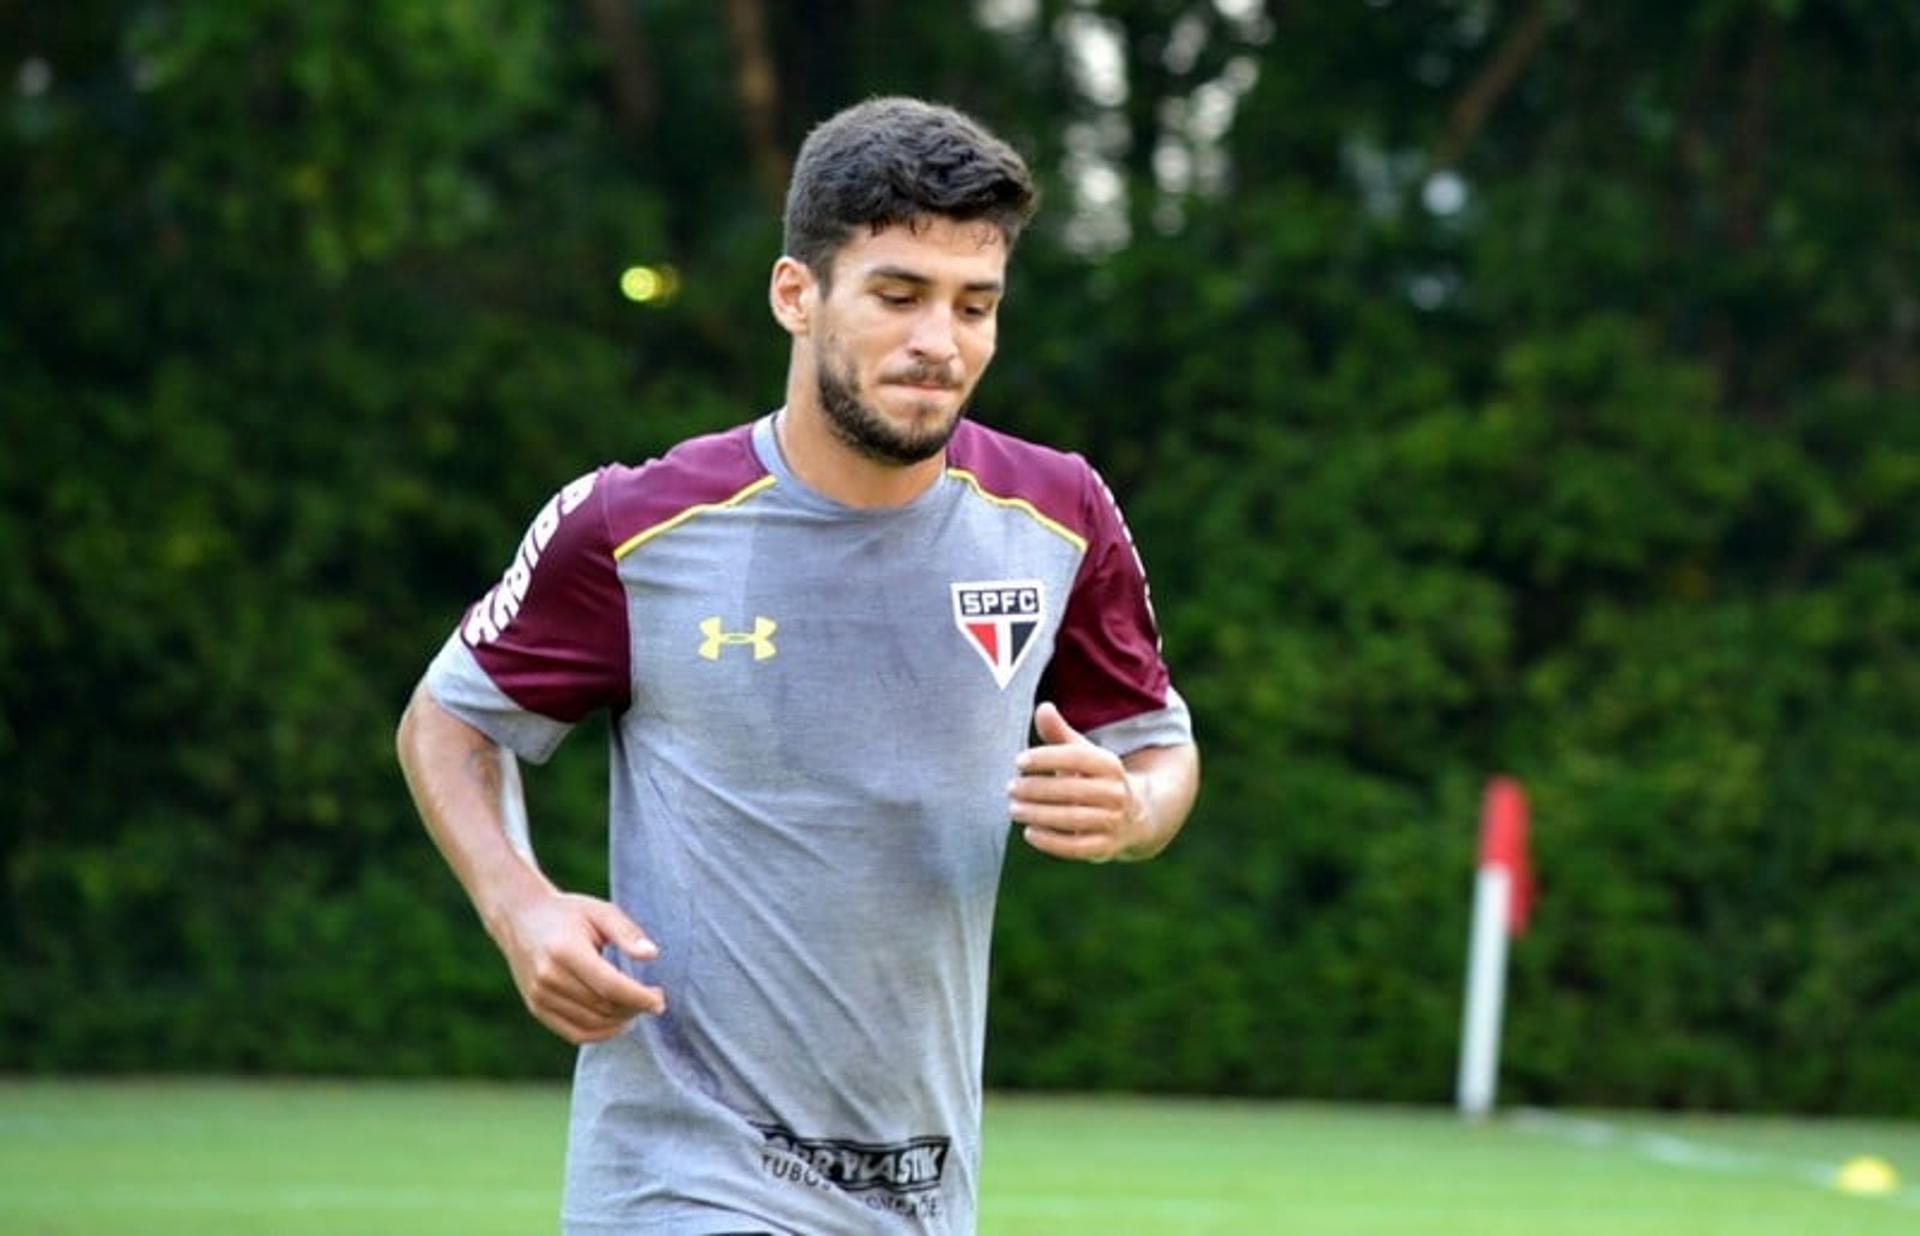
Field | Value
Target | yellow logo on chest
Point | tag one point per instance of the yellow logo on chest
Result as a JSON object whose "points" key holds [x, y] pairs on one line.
{"points": [[760, 639]]}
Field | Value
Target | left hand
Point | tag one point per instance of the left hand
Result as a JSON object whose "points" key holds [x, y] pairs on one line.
{"points": [[1075, 799]]}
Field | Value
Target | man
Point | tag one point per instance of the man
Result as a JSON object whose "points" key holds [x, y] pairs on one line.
{"points": [[822, 636]]}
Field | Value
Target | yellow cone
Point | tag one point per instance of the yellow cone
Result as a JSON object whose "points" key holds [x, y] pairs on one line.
{"points": [[1868, 1176]]}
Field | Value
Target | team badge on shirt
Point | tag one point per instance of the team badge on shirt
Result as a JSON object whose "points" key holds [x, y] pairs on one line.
{"points": [[999, 618]]}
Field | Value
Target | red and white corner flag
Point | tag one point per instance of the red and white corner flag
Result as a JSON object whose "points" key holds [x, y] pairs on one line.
{"points": [[1502, 901]]}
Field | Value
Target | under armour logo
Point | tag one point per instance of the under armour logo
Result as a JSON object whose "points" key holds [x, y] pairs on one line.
{"points": [[760, 639]]}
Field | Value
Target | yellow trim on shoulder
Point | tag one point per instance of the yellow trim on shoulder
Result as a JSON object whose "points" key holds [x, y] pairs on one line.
{"points": [[1021, 504], [647, 534]]}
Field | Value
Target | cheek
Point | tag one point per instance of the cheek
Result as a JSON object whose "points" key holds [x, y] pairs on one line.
{"points": [[845, 359], [980, 349], [869, 345]]}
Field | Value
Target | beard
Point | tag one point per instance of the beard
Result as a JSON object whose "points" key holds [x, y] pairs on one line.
{"points": [[862, 427]]}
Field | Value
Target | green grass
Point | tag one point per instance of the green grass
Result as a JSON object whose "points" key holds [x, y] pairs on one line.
{"points": [[206, 1157]]}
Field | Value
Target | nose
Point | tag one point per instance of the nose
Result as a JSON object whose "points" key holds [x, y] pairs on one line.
{"points": [[932, 338]]}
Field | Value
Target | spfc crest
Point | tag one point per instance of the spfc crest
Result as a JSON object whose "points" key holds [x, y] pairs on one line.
{"points": [[999, 618]]}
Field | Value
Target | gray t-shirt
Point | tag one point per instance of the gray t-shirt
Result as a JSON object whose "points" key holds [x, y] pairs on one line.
{"points": [[816, 712]]}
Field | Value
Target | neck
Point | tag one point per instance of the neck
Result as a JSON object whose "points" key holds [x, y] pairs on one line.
{"points": [[828, 465]]}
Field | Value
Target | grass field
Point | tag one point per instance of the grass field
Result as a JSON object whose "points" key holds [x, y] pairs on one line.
{"points": [[203, 1157]]}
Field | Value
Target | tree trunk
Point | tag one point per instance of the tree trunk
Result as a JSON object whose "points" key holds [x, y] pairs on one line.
{"points": [[759, 92], [1484, 93], [629, 68]]}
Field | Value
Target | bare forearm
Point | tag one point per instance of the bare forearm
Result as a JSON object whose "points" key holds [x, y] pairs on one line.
{"points": [[552, 941], [1165, 782], [453, 771]]}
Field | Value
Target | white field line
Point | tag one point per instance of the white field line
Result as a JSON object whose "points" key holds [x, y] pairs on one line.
{"points": [[1686, 1152], [227, 1200], [1077, 1205]]}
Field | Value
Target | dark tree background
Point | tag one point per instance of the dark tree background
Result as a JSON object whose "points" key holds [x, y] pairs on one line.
{"points": [[1492, 386]]}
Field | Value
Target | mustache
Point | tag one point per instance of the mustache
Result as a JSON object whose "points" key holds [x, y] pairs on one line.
{"points": [[924, 375]]}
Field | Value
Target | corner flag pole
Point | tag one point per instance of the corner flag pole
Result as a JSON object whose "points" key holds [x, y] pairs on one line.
{"points": [[1502, 898], [513, 807]]}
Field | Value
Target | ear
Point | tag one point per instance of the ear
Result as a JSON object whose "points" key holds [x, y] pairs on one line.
{"points": [[792, 293]]}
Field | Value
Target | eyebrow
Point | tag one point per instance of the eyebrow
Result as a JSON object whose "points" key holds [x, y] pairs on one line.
{"points": [[900, 274]]}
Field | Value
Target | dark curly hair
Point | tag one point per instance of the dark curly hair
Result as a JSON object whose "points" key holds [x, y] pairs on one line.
{"points": [[897, 160]]}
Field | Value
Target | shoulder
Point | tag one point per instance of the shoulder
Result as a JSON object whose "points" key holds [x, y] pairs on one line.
{"points": [[698, 474], [1056, 485]]}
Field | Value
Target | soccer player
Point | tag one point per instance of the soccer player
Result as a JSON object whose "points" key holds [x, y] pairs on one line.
{"points": [[823, 637]]}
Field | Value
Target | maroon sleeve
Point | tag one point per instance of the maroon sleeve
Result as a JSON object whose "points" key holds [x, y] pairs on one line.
{"points": [[552, 634], [1106, 663]]}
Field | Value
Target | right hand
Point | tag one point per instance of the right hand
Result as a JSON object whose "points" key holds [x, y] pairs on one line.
{"points": [[552, 945]]}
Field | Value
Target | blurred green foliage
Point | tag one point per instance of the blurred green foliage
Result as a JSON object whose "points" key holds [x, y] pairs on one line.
{"points": [[1562, 421]]}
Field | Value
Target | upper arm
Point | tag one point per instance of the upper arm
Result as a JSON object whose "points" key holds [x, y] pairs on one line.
{"points": [[1107, 674], [430, 739], [548, 644]]}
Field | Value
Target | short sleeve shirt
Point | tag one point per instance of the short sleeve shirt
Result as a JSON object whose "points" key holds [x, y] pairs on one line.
{"points": [[816, 710]]}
